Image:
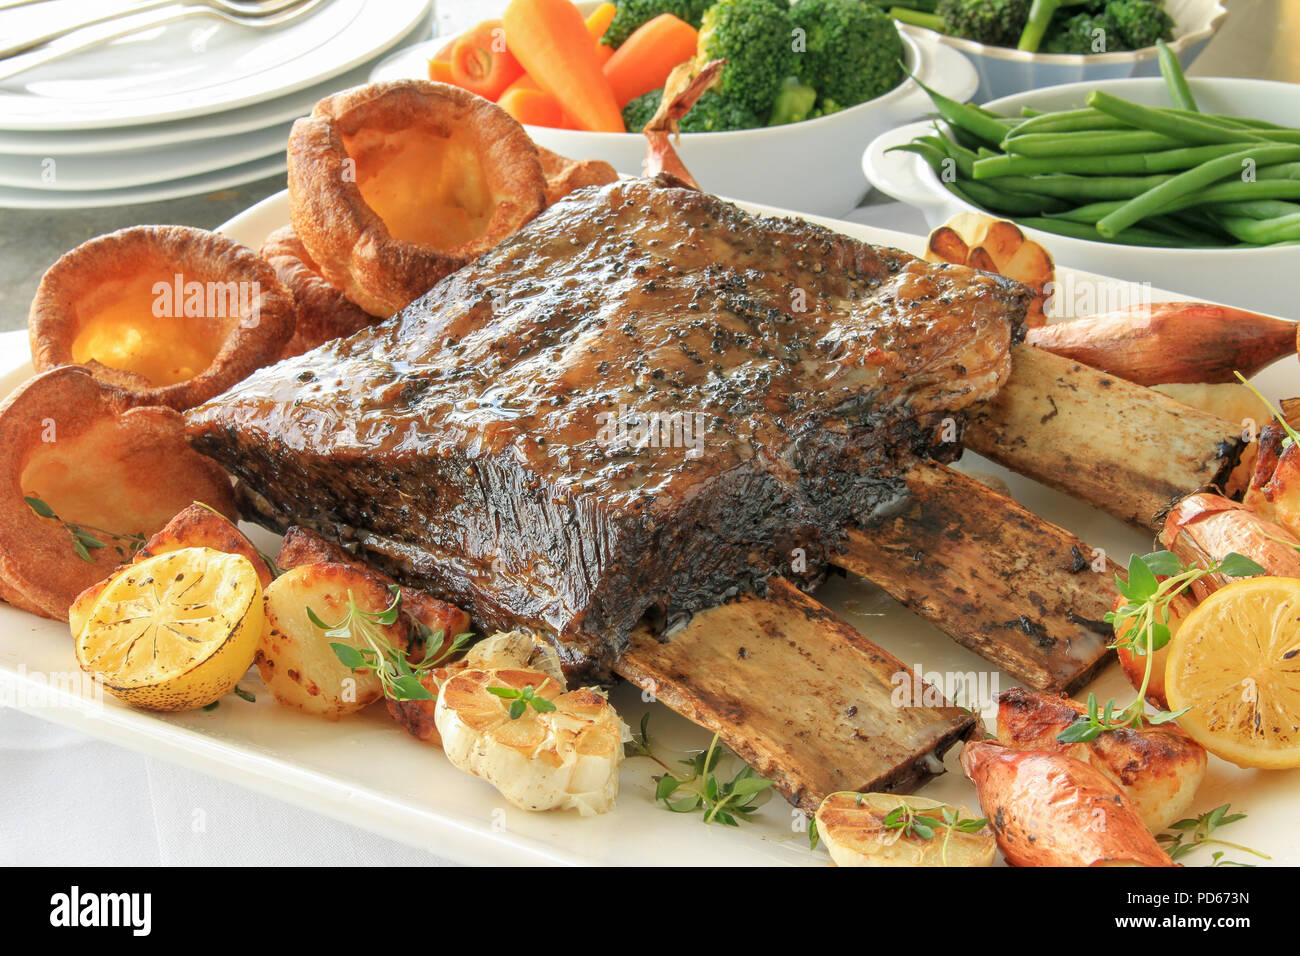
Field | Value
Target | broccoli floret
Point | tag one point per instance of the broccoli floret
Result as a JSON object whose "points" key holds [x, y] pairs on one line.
{"points": [[630, 14], [712, 113], [995, 22], [1140, 22], [754, 37], [793, 104], [638, 112], [853, 52], [1084, 33]]}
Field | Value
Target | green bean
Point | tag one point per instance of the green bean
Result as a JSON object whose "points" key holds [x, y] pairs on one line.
{"points": [[1183, 127], [1172, 71], [973, 119], [1194, 235], [1078, 188], [1255, 208], [1270, 135], [996, 200], [963, 157], [1104, 142], [1262, 231], [1278, 171], [1127, 237], [1189, 182], [1163, 161], [1240, 192], [934, 156], [1091, 212], [1069, 121]]}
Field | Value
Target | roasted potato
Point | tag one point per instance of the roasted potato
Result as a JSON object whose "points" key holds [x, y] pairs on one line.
{"points": [[1159, 768], [301, 546], [196, 526], [1047, 809], [852, 825], [76, 445], [295, 659]]}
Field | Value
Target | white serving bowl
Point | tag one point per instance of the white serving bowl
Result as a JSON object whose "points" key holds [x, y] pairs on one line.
{"points": [[1003, 71], [1267, 280], [812, 167]]}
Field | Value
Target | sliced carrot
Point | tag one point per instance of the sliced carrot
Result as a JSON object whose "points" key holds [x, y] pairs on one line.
{"points": [[646, 57], [440, 71], [598, 20], [481, 61], [533, 107], [603, 54], [551, 40]]}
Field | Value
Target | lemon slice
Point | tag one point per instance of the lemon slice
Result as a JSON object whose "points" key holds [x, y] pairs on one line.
{"points": [[1236, 664], [852, 825], [176, 631]]}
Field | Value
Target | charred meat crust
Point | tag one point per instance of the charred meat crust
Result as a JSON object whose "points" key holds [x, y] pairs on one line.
{"points": [[471, 444]]}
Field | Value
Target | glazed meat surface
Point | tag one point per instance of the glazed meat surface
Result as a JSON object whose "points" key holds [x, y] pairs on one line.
{"points": [[646, 401]]}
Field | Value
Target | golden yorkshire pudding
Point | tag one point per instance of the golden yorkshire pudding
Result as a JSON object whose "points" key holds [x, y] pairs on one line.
{"points": [[170, 314], [85, 474], [393, 186], [324, 312], [564, 175]]}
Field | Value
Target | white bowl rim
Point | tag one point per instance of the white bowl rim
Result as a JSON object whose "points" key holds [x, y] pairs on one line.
{"points": [[975, 48], [908, 85], [927, 174]]}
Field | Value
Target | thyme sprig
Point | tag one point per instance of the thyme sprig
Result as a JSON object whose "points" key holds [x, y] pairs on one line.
{"points": [[1146, 617], [521, 698], [398, 677], [1193, 832], [729, 802], [87, 538]]}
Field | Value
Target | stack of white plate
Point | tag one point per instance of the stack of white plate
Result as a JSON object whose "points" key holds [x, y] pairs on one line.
{"points": [[184, 108]]}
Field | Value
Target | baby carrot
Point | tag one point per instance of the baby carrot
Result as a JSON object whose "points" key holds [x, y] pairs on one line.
{"points": [[482, 63], [532, 107], [598, 20], [550, 39], [646, 57]]}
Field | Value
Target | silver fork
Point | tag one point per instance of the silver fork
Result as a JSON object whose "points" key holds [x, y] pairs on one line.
{"points": [[251, 13]]}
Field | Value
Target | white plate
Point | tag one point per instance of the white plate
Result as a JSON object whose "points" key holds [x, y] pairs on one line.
{"points": [[14, 198], [366, 771], [196, 66], [53, 174], [198, 131]]}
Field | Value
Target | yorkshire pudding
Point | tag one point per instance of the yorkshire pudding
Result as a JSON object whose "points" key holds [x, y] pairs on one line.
{"points": [[170, 314], [393, 186], [324, 312], [564, 175], [107, 470]]}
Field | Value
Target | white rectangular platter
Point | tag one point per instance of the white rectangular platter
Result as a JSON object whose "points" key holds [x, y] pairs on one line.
{"points": [[367, 771]]}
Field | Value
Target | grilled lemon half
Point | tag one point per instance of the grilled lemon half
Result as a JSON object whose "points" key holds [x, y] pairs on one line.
{"points": [[1236, 664], [176, 631]]}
